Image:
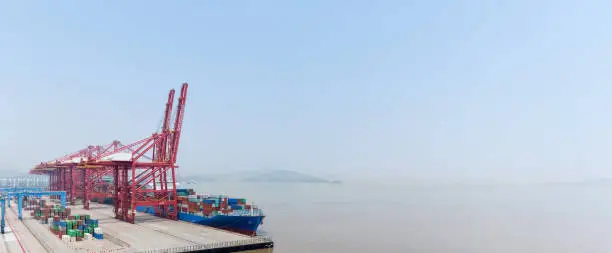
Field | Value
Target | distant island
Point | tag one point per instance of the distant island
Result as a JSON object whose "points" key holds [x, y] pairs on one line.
{"points": [[282, 176], [196, 179], [584, 182], [257, 176]]}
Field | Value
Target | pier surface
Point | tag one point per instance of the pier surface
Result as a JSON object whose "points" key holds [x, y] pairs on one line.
{"points": [[148, 234], [17, 237]]}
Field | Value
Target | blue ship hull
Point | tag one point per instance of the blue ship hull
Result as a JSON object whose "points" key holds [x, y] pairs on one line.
{"points": [[241, 224]]}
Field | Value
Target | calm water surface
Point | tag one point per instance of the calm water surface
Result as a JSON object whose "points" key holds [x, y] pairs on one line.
{"points": [[374, 217]]}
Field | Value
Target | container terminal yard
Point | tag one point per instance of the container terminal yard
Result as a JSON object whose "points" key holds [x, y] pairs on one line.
{"points": [[61, 208]]}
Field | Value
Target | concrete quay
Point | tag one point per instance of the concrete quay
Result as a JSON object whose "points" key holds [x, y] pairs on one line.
{"points": [[148, 234]]}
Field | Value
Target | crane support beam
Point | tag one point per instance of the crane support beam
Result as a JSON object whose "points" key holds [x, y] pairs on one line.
{"points": [[3, 210]]}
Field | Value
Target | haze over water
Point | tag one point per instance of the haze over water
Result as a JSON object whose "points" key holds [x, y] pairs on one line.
{"points": [[509, 90], [375, 217]]}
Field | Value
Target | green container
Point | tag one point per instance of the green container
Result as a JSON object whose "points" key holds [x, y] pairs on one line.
{"points": [[87, 217], [76, 217]]}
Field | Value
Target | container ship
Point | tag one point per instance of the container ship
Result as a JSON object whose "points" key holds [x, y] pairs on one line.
{"points": [[218, 211]]}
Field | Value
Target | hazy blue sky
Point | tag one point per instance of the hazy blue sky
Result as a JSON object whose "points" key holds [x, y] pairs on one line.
{"points": [[428, 89]]}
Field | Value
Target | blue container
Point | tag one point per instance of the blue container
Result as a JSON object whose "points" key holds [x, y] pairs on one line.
{"points": [[232, 201], [185, 191], [236, 207], [208, 201], [62, 224], [81, 227]]}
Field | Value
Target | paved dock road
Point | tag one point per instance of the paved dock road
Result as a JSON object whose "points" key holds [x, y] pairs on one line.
{"points": [[9, 241], [17, 236]]}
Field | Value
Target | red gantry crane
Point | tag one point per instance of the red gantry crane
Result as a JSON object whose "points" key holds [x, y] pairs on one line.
{"points": [[64, 175], [143, 172]]}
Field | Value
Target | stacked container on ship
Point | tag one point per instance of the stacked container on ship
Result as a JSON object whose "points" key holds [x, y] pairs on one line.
{"points": [[219, 211]]}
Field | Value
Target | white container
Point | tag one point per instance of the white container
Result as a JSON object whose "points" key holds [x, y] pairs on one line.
{"points": [[65, 238], [98, 230], [87, 236], [72, 239]]}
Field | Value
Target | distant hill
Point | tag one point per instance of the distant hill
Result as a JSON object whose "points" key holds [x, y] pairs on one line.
{"points": [[281, 176], [196, 178], [585, 182], [269, 176]]}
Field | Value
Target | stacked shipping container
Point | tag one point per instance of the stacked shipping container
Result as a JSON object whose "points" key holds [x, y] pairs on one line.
{"points": [[106, 200], [66, 226], [209, 205]]}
